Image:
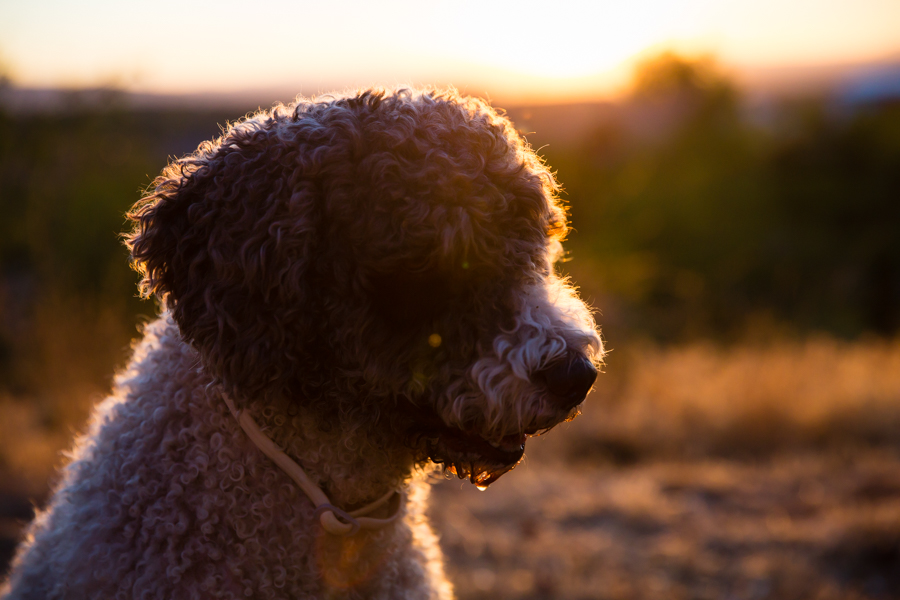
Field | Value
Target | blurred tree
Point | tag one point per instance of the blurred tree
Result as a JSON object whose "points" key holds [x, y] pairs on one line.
{"points": [[698, 223], [838, 182], [667, 75], [689, 220], [66, 181], [667, 192]]}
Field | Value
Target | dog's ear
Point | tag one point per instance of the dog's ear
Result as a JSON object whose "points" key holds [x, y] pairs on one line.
{"points": [[225, 239]]}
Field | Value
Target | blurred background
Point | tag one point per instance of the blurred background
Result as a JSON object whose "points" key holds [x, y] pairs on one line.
{"points": [[733, 176]]}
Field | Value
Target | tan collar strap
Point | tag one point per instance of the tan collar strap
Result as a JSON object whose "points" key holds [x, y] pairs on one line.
{"points": [[326, 512]]}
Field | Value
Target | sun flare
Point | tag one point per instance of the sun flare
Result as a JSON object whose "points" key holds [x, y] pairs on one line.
{"points": [[568, 49], [568, 39]]}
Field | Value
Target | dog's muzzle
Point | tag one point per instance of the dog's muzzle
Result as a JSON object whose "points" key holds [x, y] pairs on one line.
{"points": [[569, 380]]}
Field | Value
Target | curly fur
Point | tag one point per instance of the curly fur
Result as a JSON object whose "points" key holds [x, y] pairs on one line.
{"points": [[371, 276]]}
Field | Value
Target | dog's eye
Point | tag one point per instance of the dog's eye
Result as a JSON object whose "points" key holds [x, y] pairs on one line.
{"points": [[409, 300]]}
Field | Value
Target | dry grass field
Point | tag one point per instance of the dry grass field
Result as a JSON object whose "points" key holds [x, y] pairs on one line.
{"points": [[765, 468], [697, 471], [804, 526]]}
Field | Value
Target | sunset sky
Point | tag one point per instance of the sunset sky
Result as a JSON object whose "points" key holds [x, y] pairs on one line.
{"points": [[522, 49]]}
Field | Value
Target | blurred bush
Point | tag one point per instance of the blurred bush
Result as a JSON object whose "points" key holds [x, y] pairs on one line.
{"points": [[699, 218], [68, 305], [698, 214]]}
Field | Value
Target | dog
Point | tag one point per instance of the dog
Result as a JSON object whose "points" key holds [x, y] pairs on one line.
{"points": [[353, 289]]}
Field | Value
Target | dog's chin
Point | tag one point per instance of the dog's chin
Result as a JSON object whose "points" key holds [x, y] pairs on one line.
{"points": [[464, 454], [469, 455], [472, 457]]}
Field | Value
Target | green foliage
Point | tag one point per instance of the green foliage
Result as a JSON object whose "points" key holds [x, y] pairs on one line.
{"points": [[705, 224], [837, 183], [66, 181], [690, 219]]}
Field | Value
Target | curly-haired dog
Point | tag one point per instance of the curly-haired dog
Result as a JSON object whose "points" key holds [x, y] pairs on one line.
{"points": [[364, 282]]}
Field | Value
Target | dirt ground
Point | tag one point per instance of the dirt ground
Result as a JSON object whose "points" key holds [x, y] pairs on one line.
{"points": [[695, 472], [805, 526], [823, 526]]}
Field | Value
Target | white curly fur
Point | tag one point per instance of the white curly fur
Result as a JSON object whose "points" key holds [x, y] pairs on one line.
{"points": [[549, 320], [308, 260]]}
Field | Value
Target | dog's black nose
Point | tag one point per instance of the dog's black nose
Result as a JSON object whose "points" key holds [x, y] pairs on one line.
{"points": [[569, 380]]}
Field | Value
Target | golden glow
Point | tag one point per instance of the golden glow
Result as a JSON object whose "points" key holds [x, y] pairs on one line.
{"points": [[434, 340], [515, 49], [562, 39]]}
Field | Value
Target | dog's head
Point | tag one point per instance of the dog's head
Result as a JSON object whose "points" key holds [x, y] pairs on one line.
{"points": [[389, 250]]}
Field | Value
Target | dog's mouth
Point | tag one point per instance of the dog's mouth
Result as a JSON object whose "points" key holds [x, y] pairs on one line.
{"points": [[469, 455], [472, 457], [466, 455], [481, 461]]}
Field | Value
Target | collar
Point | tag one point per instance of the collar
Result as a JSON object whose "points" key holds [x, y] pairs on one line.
{"points": [[327, 514]]}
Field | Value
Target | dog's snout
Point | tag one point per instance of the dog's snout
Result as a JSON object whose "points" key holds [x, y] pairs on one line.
{"points": [[569, 380]]}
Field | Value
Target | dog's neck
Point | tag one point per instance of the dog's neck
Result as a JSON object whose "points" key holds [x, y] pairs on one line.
{"points": [[348, 457]]}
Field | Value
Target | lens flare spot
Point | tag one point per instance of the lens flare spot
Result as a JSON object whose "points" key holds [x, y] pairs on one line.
{"points": [[434, 340]]}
